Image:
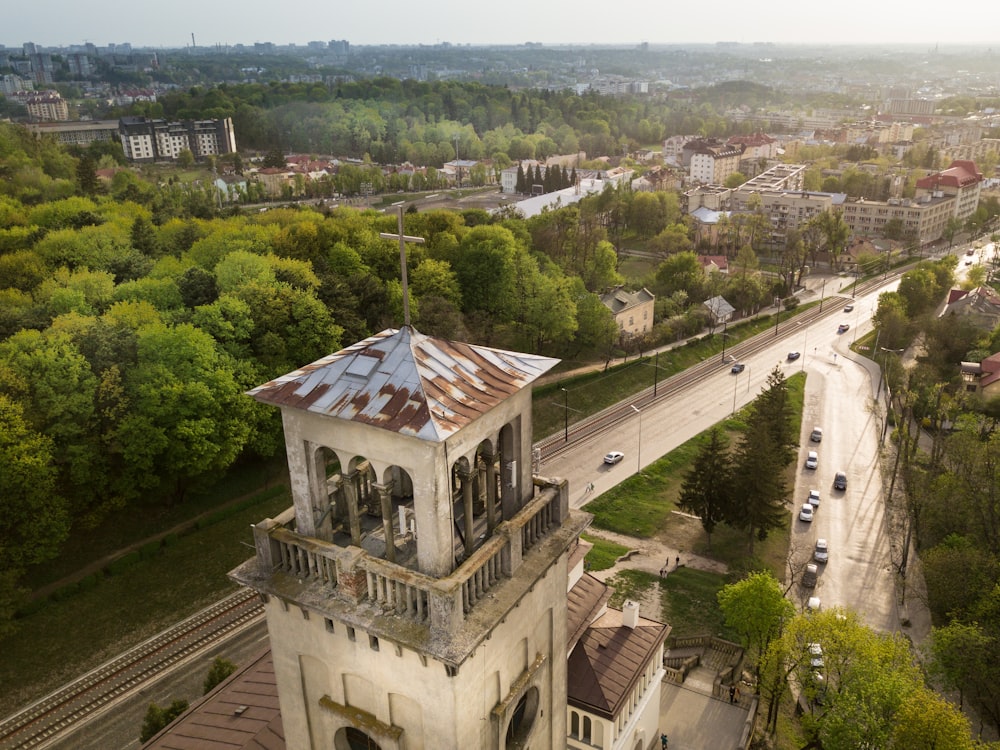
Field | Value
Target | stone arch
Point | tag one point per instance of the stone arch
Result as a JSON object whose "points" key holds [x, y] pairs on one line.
{"points": [[326, 492], [461, 483]]}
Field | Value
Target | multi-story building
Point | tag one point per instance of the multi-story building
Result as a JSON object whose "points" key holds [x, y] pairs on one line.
{"points": [[962, 180], [77, 132], [46, 106], [711, 162], [145, 139]]}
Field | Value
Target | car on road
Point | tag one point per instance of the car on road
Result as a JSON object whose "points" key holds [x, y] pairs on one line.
{"points": [[821, 553], [816, 435], [843, 327], [968, 261], [813, 605], [812, 460], [614, 457], [840, 481], [816, 655], [806, 514], [809, 575], [813, 499], [793, 356], [848, 308], [970, 251], [738, 368]]}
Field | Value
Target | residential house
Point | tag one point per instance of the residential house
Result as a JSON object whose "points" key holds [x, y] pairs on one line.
{"points": [[633, 311], [983, 377], [981, 305]]}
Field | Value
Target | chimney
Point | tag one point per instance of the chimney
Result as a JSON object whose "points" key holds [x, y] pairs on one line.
{"points": [[630, 614]]}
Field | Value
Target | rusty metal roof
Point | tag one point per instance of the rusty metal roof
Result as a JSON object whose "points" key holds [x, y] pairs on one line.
{"points": [[404, 381]]}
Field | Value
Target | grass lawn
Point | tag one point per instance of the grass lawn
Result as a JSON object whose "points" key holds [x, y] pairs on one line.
{"points": [[604, 554], [67, 638], [689, 603]]}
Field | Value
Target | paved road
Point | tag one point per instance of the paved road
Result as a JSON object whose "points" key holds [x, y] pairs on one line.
{"points": [[839, 397]]}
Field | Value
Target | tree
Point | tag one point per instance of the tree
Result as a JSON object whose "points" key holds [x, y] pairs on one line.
{"points": [[86, 176], [735, 180], [926, 721], [221, 669], [707, 490], [759, 481], [756, 609], [157, 718]]}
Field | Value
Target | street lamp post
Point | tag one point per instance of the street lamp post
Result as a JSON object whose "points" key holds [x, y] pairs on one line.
{"points": [[638, 448], [736, 379], [725, 325], [656, 372], [565, 415]]}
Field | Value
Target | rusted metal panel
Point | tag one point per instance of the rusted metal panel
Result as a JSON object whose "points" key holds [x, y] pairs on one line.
{"points": [[404, 381]]}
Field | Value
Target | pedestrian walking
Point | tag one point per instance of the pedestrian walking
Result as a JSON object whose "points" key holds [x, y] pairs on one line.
{"points": [[663, 742], [736, 698], [678, 561], [732, 694]]}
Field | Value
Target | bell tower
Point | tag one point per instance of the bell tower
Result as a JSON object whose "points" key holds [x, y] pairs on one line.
{"points": [[416, 590]]}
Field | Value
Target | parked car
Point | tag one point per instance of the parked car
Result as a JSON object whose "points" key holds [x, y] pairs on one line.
{"points": [[738, 368], [810, 574], [813, 499], [822, 552], [806, 514], [812, 460], [614, 457], [813, 605], [843, 327], [793, 356], [816, 435], [848, 308], [840, 481], [816, 655]]}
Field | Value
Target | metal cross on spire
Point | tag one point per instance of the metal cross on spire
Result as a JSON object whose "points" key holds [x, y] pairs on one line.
{"points": [[403, 239]]}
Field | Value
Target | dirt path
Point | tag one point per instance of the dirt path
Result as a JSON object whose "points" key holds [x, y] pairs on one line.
{"points": [[660, 555]]}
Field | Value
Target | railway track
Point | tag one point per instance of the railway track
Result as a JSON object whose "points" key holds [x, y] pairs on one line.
{"points": [[56, 714]]}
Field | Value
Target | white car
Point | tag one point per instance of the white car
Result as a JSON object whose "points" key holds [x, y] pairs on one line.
{"points": [[816, 655], [813, 605], [813, 498], [806, 514], [817, 434], [812, 460], [614, 457], [822, 552]]}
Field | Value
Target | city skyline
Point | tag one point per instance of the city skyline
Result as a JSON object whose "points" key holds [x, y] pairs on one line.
{"points": [[449, 21]]}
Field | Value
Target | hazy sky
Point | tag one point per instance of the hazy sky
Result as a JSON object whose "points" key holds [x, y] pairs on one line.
{"points": [[61, 22]]}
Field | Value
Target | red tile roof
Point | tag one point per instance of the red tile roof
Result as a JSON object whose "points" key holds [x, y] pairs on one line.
{"points": [[961, 173], [608, 661]]}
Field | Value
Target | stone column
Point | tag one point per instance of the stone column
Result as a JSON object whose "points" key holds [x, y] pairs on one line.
{"points": [[490, 460], [352, 494], [384, 492], [466, 478]]}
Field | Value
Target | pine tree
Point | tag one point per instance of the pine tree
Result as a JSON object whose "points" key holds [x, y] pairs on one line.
{"points": [[521, 185], [707, 489], [759, 484]]}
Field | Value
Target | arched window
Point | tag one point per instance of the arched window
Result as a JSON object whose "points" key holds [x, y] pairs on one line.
{"points": [[350, 738], [522, 719], [574, 724], [586, 729]]}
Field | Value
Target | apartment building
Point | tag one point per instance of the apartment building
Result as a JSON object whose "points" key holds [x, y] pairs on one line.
{"points": [[46, 106], [712, 162], [77, 132], [145, 139]]}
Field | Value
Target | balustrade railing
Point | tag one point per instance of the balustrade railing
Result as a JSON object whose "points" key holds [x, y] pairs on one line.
{"points": [[441, 602]]}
